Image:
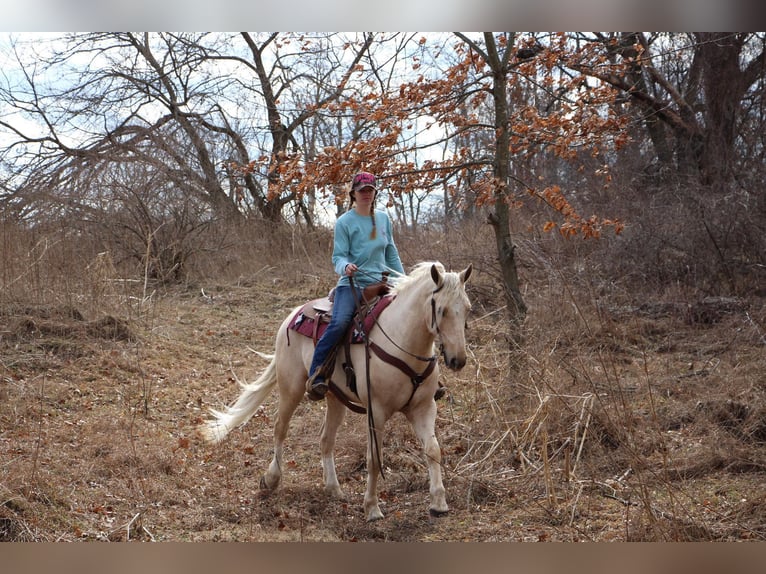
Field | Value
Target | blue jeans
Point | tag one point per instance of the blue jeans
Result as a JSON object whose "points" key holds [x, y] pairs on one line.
{"points": [[343, 309]]}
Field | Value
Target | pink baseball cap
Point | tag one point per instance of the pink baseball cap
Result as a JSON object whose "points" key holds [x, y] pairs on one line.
{"points": [[361, 180]]}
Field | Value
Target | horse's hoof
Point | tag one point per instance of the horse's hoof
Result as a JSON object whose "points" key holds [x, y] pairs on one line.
{"points": [[263, 484], [374, 516], [335, 492], [437, 513]]}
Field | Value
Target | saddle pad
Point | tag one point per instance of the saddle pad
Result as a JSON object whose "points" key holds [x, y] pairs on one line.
{"points": [[304, 324]]}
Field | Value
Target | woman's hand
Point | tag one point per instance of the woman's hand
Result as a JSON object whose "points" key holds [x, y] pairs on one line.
{"points": [[351, 269]]}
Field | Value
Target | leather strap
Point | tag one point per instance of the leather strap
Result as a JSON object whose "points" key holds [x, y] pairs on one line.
{"points": [[340, 395], [416, 378], [318, 319]]}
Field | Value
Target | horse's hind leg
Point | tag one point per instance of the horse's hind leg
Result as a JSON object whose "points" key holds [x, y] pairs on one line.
{"points": [[290, 395], [423, 421], [333, 418]]}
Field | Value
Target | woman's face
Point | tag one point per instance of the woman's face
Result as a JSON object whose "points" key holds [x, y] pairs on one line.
{"points": [[364, 197]]}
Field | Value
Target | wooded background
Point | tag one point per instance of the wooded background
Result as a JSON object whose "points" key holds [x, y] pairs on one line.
{"points": [[154, 147]]}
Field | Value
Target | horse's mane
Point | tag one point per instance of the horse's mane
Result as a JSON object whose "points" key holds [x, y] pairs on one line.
{"points": [[420, 272], [401, 283]]}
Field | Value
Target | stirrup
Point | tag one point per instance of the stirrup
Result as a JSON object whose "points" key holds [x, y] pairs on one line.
{"points": [[317, 390]]}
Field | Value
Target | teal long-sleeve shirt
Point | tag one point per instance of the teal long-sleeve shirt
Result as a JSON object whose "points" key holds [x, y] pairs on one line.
{"points": [[352, 244]]}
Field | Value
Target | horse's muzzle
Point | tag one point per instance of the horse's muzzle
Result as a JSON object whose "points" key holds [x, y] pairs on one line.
{"points": [[454, 363]]}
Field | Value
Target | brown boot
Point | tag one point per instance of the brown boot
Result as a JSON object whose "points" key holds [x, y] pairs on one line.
{"points": [[318, 389], [440, 392]]}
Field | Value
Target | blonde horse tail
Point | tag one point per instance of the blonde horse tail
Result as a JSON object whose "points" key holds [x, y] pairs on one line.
{"points": [[252, 396]]}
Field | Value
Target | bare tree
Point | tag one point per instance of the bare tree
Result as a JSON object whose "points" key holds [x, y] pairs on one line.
{"points": [[689, 89], [283, 126], [163, 99], [134, 99]]}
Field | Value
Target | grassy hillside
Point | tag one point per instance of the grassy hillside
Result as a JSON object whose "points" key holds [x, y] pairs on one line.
{"points": [[621, 410]]}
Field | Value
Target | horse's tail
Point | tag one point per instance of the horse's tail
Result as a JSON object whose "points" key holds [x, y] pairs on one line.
{"points": [[252, 396]]}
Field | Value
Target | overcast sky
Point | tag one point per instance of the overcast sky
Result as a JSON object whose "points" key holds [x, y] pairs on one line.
{"points": [[384, 15]]}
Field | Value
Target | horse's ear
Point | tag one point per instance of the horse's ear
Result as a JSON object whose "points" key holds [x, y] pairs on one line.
{"points": [[466, 273], [436, 276]]}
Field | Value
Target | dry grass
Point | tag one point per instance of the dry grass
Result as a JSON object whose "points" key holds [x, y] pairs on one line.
{"points": [[618, 418]]}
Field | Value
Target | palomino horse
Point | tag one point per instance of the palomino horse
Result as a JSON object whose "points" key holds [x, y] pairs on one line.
{"points": [[428, 304]]}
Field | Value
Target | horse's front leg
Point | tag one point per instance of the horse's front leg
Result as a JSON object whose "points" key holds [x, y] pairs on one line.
{"points": [[333, 418], [371, 505], [423, 421]]}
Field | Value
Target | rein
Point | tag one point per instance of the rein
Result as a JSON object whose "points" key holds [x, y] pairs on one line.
{"points": [[373, 435]]}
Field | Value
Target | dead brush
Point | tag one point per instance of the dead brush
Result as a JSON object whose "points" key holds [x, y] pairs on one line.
{"points": [[609, 421], [14, 527], [616, 384], [576, 419], [539, 451], [520, 437]]}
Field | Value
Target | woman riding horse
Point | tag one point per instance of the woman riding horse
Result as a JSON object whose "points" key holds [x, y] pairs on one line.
{"points": [[361, 253]]}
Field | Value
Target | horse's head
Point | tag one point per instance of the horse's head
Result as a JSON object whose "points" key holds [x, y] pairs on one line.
{"points": [[449, 311]]}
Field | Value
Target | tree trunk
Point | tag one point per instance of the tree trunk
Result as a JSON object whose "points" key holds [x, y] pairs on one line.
{"points": [[506, 254], [655, 128], [500, 218], [723, 84]]}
